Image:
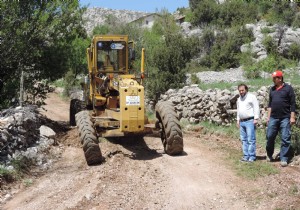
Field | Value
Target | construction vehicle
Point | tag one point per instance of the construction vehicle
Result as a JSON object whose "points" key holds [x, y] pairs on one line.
{"points": [[113, 102]]}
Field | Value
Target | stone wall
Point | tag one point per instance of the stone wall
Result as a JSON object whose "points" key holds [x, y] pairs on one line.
{"points": [[23, 135], [214, 105]]}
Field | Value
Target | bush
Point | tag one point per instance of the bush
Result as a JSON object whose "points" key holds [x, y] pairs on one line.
{"points": [[267, 30], [269, 64], [70, 83], [223, 49], [195, 79], [296, 22], [252, 72], [294, 51], [297, 94], [270, 45]]}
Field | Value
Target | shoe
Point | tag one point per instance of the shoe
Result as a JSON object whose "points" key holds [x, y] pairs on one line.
{"points": [[283, 163], [251, 161], [269, 159], [243, 160]]}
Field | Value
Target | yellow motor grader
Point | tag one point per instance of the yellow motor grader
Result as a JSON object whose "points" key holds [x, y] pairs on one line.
{"points": [[113, 102]]}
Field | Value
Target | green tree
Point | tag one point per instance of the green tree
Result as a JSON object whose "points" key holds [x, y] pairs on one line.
{"points": [[205, 12], [167, 53], [36, 37], [233, 13], [281, 12]]}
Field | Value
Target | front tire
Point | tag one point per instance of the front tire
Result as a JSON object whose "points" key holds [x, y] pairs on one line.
{"points": [[88, 139], [171, 134]]}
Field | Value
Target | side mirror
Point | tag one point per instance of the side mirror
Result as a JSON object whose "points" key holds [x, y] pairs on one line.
{"points": [[131, 54]]}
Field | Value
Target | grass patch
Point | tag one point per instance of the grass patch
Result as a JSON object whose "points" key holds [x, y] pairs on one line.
{"points": [[267, 30], [254, 84], [248, 170], [219, 85], [7, 175], [28, 182], [151, 116], [231, 131], [293, 190]]}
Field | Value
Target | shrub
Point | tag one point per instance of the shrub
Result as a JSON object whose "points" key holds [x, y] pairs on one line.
{"points": [[223, 51], [269, 64], [294, 51], [267, 30], [296, 22], [270, 45], [195, 79], [252, 72]]}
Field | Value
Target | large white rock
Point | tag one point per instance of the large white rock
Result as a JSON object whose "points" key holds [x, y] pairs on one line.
{"points": [[47, 132]]}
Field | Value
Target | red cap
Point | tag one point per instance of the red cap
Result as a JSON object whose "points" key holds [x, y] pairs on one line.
{"points": [[277, 73]]}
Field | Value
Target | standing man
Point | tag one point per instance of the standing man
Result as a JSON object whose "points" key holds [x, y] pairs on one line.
{"points": [[281, 115], [247, 116]]}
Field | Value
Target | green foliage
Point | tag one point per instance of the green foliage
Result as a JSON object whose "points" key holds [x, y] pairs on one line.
{"points": [[252, 71], [270, 45], [233, 13], [229, 13], [269, 64], [294, 190], [7, 175], [281, 12], [167, 53], [236, 13], [296, 21], [21, 164], [77, 59], [187, 13], [101, 29], [28, 182], [297, 93], [37, 37], [193, 67], [294, 51], [205, 12], [295, 139], [250, 171], [70, 83], [195, 79], [267, 30], [223, 49]]}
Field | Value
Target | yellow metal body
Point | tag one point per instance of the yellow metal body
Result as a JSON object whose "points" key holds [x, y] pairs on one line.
{"points": [[116, 96]]}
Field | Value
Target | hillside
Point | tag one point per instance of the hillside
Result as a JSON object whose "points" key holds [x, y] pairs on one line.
{"points": [[97, 16]]}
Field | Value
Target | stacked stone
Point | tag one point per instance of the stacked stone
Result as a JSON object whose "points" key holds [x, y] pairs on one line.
{"points": [[21, 134], [214, 105]]}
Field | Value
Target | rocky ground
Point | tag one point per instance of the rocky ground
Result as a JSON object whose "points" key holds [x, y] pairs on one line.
{"points": [[137, 174]]}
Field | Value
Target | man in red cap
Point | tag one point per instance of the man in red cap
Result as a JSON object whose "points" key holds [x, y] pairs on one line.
{"points": [[281, 115]]}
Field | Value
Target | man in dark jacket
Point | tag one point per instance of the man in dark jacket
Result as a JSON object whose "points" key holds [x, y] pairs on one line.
{"points": [[281, 115]]}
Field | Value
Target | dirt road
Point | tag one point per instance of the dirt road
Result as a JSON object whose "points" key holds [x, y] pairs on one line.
{"points": [[137, 174]]}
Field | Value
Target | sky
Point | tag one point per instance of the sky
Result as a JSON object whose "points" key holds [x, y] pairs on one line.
{"points": [[137, 5]]}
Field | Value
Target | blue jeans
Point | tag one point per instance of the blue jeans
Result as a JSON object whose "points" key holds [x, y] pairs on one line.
{"points": [[282, 125], [247, 134]]}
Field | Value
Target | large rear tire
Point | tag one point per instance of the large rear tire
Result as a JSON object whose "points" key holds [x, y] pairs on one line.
{"points": [[75, 107], [171, 134], [88, 138]]}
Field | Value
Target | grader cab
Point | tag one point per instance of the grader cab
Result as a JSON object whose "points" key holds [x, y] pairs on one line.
{"points": [[113, 102]]}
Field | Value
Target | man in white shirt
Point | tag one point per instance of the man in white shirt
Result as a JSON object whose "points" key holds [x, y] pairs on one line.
{"points": [[247, 116]]}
